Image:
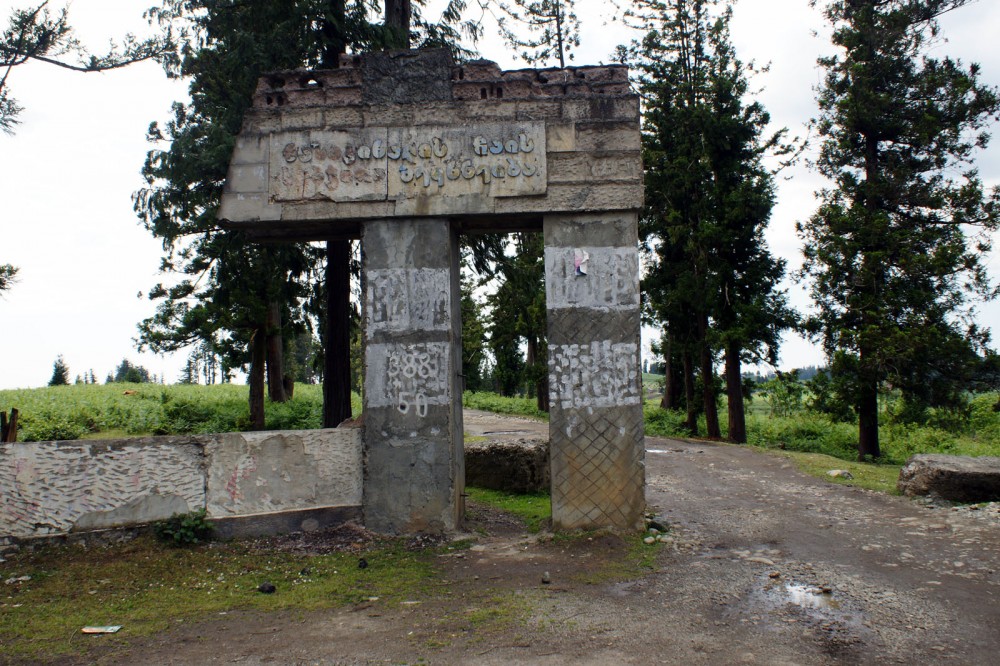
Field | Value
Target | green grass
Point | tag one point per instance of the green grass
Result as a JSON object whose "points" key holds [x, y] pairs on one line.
{"points": [[492, 402], [147, 587], [978, 434], [128, 410], [881, 478], [534, 509]]}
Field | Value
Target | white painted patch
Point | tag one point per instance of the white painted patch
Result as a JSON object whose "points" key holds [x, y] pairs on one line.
{"points": [[599, 374], [609, 279], [407, 299], [409, 377]]}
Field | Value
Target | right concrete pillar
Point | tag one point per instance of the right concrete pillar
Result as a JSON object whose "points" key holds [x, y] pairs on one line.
{"points": [[595, 387]]}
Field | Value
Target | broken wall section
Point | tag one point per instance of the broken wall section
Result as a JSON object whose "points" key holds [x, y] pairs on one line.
{"points": [[248, 482]]}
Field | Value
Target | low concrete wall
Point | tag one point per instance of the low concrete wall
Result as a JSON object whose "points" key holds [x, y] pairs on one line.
{"points": [[242, 479]]}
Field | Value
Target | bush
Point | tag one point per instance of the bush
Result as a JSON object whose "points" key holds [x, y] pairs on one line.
{"points": [[184, 529]]}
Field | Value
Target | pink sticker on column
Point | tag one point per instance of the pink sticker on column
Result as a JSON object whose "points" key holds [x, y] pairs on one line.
{"points": [[580, 259]]}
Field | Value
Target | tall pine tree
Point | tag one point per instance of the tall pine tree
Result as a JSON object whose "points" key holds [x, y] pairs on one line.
{"points": [[888, 251], [711, 280]]}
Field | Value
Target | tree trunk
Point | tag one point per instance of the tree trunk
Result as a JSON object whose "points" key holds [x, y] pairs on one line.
{"points": [[337, 356], [689, 401], [708, 382], [258, 358], [397, 19], [275, 354], [668, 399], [868, 446], [734, 393]]}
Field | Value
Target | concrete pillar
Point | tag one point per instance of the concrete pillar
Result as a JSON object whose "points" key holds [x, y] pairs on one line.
{"points": [[414, 466], [595, 424]]}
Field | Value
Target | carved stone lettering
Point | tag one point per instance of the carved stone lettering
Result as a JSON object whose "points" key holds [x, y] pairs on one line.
{"points": [[599, 374], [400, 299], [374, 164], [409, 377], [609, 282]]}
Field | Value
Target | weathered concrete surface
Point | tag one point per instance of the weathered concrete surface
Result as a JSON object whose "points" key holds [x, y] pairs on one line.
{"points": [[412, 134], [291, 470], [955, 478], [57, 487], [54, 488], [517, 466], [413, 418], [595, 425]]}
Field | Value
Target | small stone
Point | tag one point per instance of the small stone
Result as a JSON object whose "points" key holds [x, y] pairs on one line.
{"points": [[546, 578], [649, 540], [266, 588], [774, 574]]}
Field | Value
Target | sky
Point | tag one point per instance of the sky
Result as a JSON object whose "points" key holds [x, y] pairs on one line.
{"points": [[68, 174]]}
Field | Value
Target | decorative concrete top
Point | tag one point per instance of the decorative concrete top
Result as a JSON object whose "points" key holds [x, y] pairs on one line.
{"points": [[412, 134]]}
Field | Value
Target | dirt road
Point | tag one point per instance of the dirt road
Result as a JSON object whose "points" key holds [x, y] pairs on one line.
{"points": [[764, 566]]}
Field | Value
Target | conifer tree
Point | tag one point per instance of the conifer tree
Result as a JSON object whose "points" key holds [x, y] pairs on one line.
{"points": [[711, 281], [60, 372], [894, 250]]}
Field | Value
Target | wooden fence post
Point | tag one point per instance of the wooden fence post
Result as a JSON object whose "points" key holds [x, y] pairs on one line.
{"points": [[8, 427]]}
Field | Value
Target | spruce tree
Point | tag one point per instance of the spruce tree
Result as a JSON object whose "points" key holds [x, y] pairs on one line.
{"points": [[894, 250], [60, 372], [711, 282]]}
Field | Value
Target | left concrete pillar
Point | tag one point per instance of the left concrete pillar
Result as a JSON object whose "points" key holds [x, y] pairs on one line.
{"points": [[414, 464]]}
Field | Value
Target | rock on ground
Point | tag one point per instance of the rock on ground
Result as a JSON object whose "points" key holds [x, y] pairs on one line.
{"points": [[954, 478]]}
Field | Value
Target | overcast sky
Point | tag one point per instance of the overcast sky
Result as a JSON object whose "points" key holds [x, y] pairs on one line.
{"points": [[68, 174]]}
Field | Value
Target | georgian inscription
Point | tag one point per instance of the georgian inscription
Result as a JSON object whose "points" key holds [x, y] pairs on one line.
{"points": [[373, 164], [411, 299], [610, 280], [408, 377], [599, 374]]}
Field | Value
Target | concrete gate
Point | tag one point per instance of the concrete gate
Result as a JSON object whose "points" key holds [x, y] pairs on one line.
{"points": [[406, 151]]}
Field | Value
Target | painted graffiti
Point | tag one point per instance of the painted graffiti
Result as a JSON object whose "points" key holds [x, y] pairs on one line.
{"points": [[599, 374], [409, 377]]}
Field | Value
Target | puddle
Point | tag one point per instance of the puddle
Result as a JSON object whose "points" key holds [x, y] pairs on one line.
{"points": [[806, 596], [505, 432]]}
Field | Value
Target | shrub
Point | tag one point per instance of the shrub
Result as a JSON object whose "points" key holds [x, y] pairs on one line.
{"points": [[184, 529]]}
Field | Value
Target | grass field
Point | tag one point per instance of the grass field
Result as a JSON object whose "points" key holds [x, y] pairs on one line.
{"points": [[130, 410]]}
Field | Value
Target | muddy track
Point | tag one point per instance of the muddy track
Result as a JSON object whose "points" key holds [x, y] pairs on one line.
{"points": [[764, 565]]}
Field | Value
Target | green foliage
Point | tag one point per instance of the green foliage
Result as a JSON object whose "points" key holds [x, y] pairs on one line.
{"points": [[492, 402], [60, 372], [665, 422], [535, 509], [783, 394], [35, 35], [8, 272], [552, 25], [473, 339], [711, 282], [894, 250], [184, 529], [87, 410], [132, 374], [519, 317]]}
